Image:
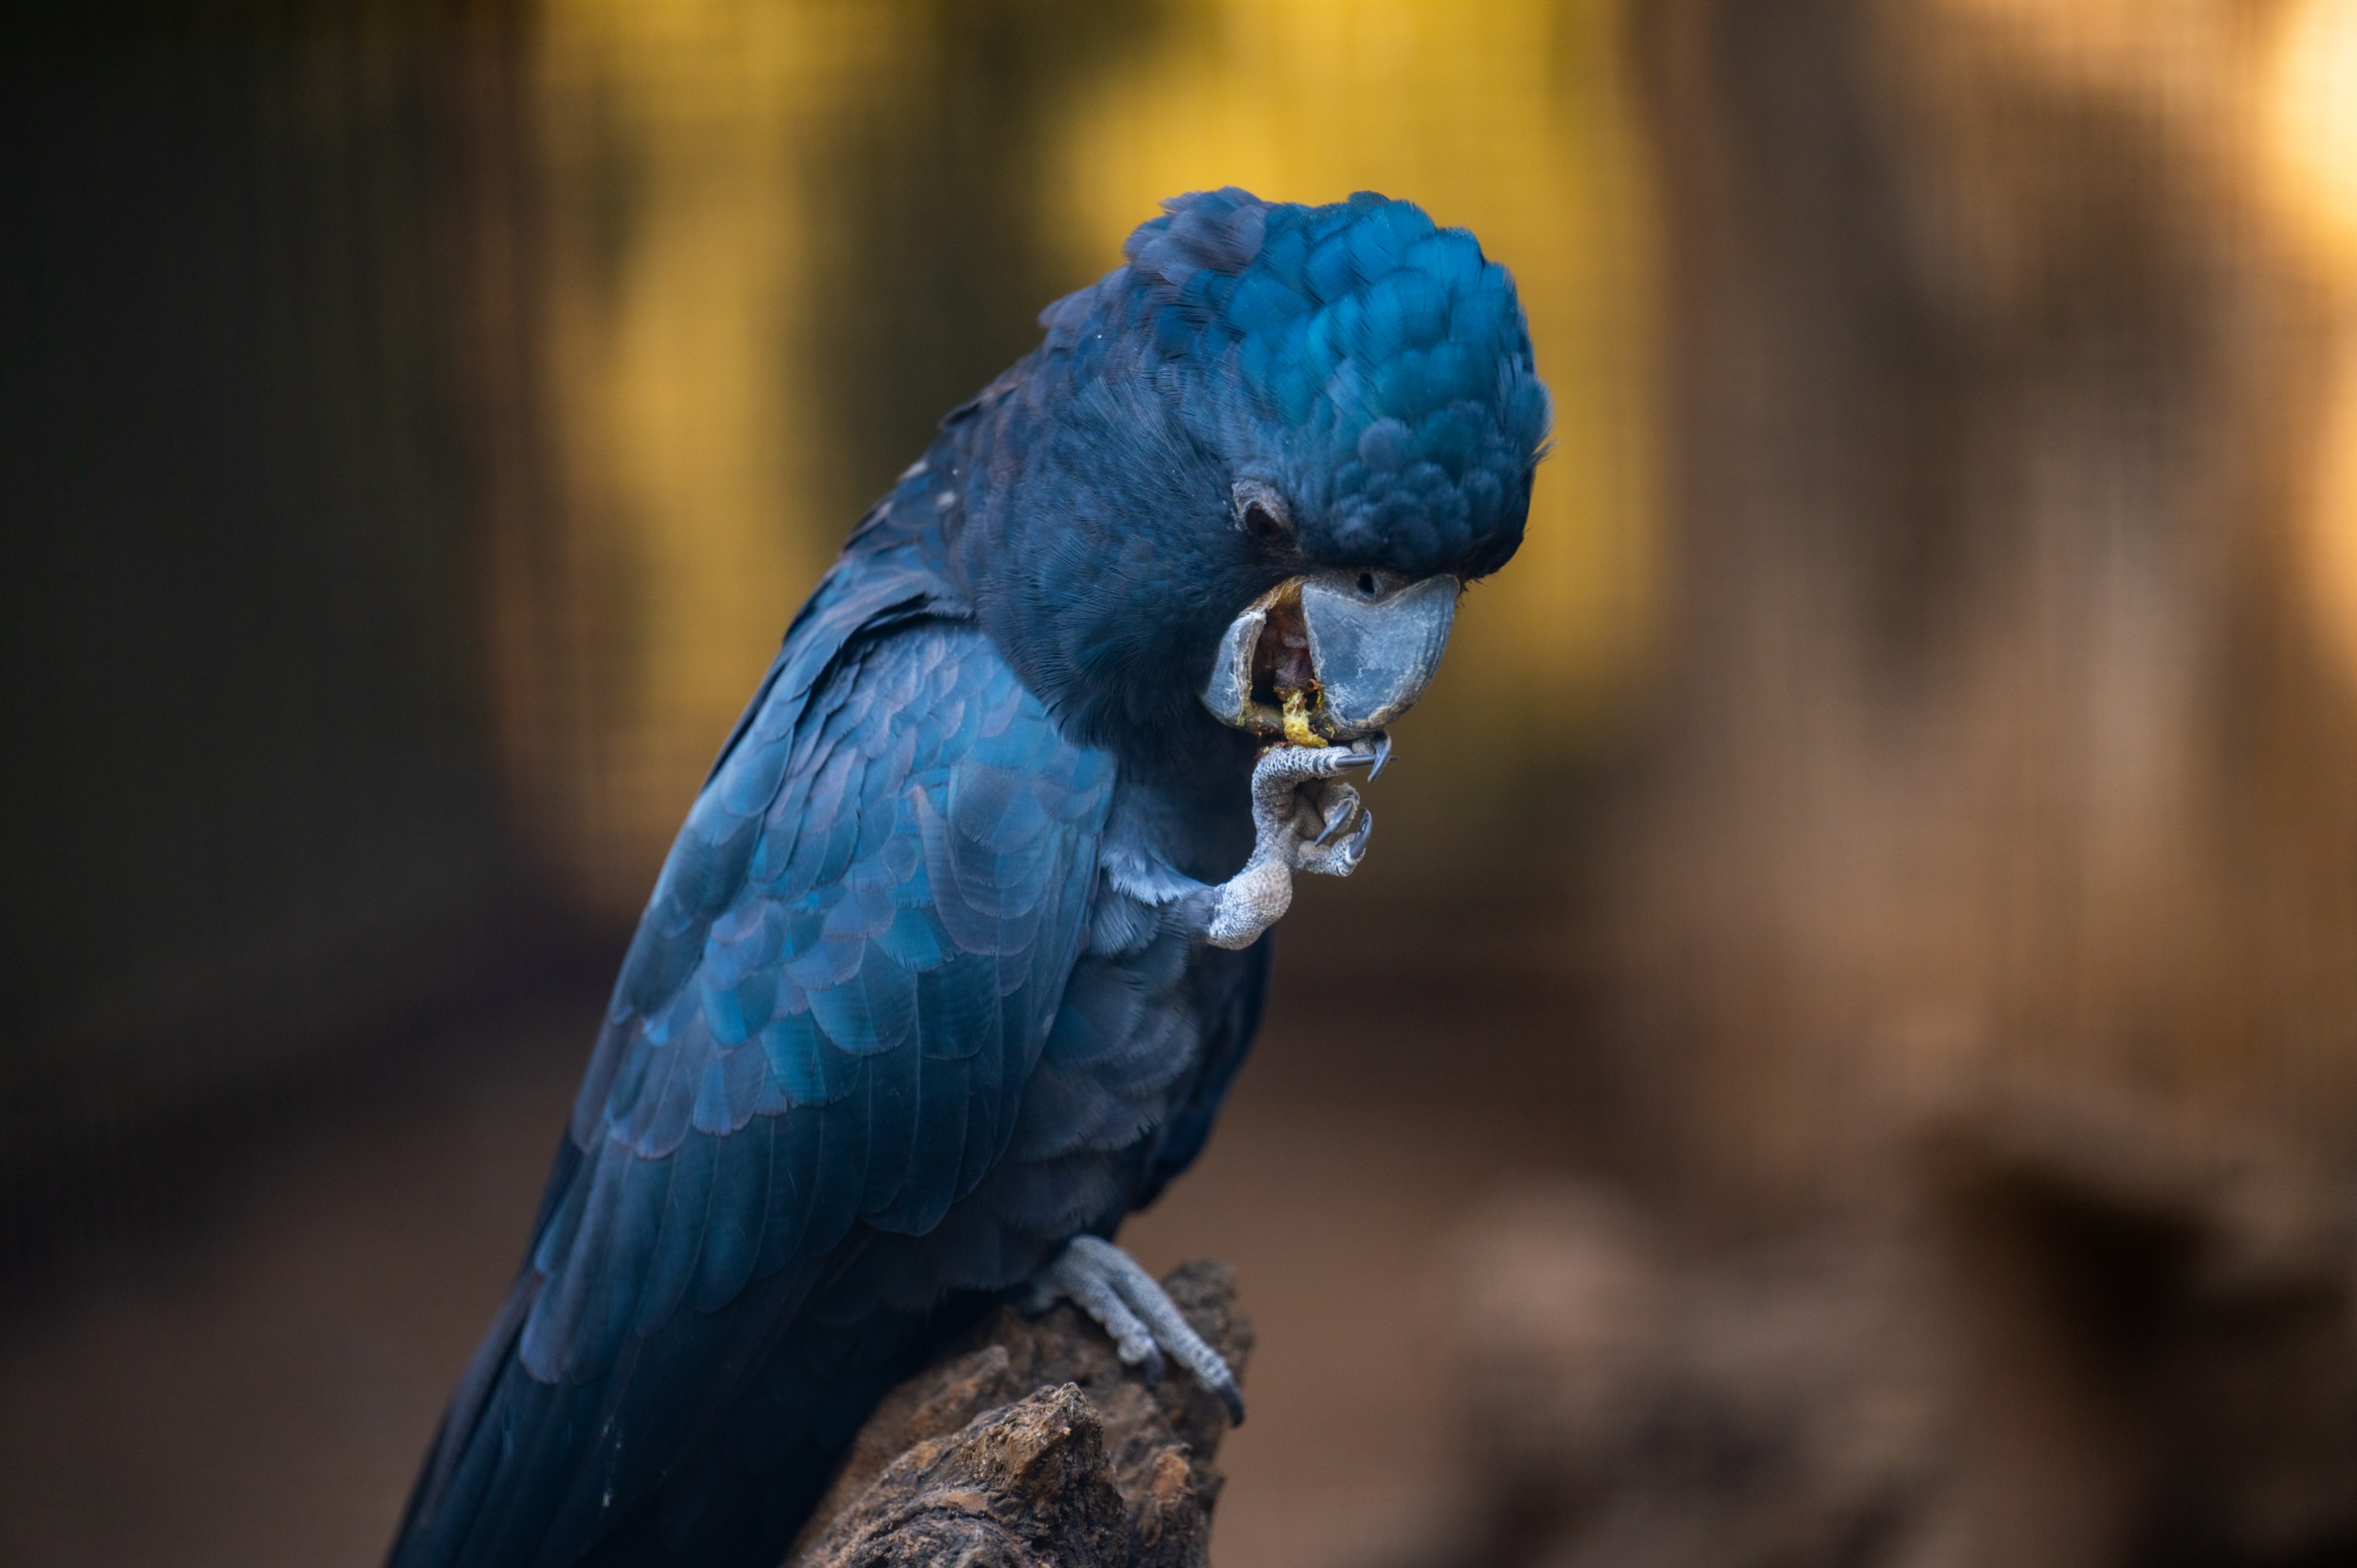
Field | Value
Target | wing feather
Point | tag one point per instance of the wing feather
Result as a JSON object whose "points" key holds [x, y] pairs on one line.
{"points": [[844, 976]]}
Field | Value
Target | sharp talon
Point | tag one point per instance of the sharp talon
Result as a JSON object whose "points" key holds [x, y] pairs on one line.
{"points": [[1333, 826], [1233, 1397], [1382, 754]]}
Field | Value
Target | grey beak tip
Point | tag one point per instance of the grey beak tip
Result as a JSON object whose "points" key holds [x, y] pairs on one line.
{"points": [[1374, 658]]}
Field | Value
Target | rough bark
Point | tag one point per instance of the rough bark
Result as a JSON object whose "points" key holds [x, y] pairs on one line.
{"points": [[1030, 1443]]}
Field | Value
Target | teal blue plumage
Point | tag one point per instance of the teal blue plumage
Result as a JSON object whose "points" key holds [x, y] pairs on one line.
{"points": [[1388, 359], [913, 1002]]}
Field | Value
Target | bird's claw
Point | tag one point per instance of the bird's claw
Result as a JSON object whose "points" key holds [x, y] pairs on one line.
{"points": [[1282, 764], [1342, 842], [1125, 1301], [1371, 752], [1303, 820], [1337, 813]]}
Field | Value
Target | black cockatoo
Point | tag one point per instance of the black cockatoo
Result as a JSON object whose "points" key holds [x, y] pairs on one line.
{"points": [[964, 937]]}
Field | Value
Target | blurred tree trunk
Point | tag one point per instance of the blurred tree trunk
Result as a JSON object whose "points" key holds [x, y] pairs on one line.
{"points": [[2002, 746], [253, 825], [2000, 870]]}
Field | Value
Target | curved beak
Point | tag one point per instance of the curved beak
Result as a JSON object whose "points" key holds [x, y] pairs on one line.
{"points": [[1314, 660]]}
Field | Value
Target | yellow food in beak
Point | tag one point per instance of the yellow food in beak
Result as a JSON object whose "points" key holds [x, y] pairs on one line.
{"points": [[1297, 719]]}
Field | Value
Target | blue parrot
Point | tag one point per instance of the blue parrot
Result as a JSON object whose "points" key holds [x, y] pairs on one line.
{"points": [[964, 937]]}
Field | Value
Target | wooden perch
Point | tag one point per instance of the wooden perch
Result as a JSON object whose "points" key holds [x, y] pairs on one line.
{"points": [[1028, 1443]]}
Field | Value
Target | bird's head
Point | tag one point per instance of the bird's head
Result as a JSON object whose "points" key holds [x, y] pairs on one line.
{"points": [[1250, 472]]}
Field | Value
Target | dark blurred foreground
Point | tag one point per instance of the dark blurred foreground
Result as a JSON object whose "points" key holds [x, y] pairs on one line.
{"points": [[1859, 1069], [253, 1377]]}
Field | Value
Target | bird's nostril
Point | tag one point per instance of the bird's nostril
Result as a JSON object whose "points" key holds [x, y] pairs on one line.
{"points": [[1367, 584]]}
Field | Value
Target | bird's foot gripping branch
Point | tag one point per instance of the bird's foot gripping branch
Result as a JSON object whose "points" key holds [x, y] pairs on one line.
{"points": [[1145, 1325], [1304, 819]]}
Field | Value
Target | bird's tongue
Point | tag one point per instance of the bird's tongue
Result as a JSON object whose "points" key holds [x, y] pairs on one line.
{"points": [[1280, 661]]}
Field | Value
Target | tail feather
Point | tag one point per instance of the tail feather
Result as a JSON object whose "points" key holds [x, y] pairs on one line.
{"points": [[687, 1451]]}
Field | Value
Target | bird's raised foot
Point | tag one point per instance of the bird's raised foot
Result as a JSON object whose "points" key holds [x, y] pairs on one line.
{"points": [[1129, 1305], [1304, 819]]}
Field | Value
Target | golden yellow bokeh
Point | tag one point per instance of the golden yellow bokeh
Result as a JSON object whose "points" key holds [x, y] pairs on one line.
{"points": [[2311, 136], [682, 141], [1512, 119], [2308, 145], [679, 381]]}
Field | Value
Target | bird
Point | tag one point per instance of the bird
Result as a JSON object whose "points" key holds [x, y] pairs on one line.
{"points": [[965, 935]]}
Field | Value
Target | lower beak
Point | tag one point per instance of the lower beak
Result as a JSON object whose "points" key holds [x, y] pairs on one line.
{"points": [[1314, 660]]}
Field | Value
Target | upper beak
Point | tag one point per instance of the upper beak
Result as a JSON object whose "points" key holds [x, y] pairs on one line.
{"points": [[1345, 663]]}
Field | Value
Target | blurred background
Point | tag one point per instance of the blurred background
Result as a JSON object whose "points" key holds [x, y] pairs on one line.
{"points": [[1847, 1040]]}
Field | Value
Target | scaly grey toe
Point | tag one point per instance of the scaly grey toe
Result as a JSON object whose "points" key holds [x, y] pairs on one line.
{"points": [[1108, 1284]]}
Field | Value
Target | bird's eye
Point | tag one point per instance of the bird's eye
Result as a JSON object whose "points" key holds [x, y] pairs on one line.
{"points": [[1263, 523], [1260, 512]]}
